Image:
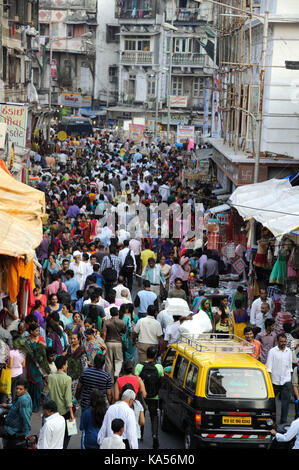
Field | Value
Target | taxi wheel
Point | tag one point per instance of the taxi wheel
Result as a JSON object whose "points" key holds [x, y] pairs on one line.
{"points": [[188, 439], [165, 423]]}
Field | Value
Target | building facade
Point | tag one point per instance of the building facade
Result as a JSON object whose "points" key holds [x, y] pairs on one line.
{"points": [[107, 54], [159, 39], [67, 38], [258, 96]]}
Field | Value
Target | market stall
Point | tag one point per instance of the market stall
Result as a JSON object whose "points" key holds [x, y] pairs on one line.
{"points": [[275, 205], [21, 212]]}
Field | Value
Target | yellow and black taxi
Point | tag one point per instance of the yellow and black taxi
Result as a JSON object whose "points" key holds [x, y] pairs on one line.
{"points": [[217, 393]]}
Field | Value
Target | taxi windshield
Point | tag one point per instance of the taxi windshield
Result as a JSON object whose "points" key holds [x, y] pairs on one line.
{"points": [[236, 383]]}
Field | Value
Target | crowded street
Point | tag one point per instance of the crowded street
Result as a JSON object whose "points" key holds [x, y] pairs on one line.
{"points": [[149, 227]]}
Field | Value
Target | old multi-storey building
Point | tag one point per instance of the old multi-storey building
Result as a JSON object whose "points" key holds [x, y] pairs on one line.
{"points": [[107, 54], [147, 60], [19, 23], [257, 116], [67, 37]]}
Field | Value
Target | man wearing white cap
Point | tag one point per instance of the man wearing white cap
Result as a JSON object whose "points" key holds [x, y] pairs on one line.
{"points": [[79, 269]]}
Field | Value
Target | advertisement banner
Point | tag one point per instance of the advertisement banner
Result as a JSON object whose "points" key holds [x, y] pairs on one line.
{"points": [[205, 127], [216, 115], [86, 101], [136, 132], [54, 69], [15, 117], [185, 133], [178, 101], [74, 100], [3, 130]]}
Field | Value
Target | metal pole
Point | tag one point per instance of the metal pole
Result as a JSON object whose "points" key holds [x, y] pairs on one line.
{"points": [[157, 105], [108, 88], [262, 88], [50, 78], [170, 73]]}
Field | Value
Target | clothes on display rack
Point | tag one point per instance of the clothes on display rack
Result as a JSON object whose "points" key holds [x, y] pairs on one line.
{"points": [[261, 256], [279, 271]]}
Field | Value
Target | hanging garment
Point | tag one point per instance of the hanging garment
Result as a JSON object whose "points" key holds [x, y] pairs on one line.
{"points": [[279, 271]]}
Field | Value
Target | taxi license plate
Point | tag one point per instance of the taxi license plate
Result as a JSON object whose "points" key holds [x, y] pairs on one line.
{"points": [[236, 421]]}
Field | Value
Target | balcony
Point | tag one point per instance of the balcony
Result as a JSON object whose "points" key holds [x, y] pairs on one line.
{"points": [[187, 15], [139, 58], [187, 59], [136, 9]]}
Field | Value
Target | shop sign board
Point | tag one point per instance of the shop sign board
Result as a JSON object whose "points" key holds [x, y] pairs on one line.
{"points": [[15, 117], [75, 100], [178, 101], [185, 133]]}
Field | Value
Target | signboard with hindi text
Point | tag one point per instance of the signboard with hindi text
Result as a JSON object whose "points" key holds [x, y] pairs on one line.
{"points": [[15, 117]]}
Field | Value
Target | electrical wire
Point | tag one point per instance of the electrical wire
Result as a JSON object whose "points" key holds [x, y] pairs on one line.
{"points": [[253, 208]]}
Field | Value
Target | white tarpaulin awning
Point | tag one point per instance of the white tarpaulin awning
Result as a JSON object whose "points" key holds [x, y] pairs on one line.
{"points": [[274, 203], [217, 209]]}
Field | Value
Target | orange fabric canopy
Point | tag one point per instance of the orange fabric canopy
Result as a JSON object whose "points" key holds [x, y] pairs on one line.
{"points": [[21, 211]]}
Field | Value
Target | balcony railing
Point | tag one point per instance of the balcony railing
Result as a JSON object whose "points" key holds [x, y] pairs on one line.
{"points": [[187, 59], [187, 15], [136, 9], [140, 58]]}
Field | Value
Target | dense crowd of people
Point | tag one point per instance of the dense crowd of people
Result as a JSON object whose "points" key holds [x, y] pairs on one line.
{"points": [[96, 326]]}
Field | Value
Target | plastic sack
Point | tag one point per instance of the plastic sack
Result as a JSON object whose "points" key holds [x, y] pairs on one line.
{"points": [[5, 381], [199, 324]]}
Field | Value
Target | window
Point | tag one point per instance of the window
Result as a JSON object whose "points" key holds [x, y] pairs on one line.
{"points": [[183, 45], [113, 74], [44, 29], [198, 87], [151, 86], [54, 30], [177, 86], [67, 69], [169, 358], [137, 44], [131, 87], [112, 33], [4, 61], [130, 45], [236, 383], [69, 30], [180, 370], [144, 45], [78, 30], [191, 379], [35, 77]]}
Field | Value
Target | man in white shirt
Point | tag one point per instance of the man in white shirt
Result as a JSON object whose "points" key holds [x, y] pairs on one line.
{"points": [[165, 319], [149, 333], [292, 432], [164, 192], [120, 287], [121, 410], [257, 318], [51, 435], [279, 364]]}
